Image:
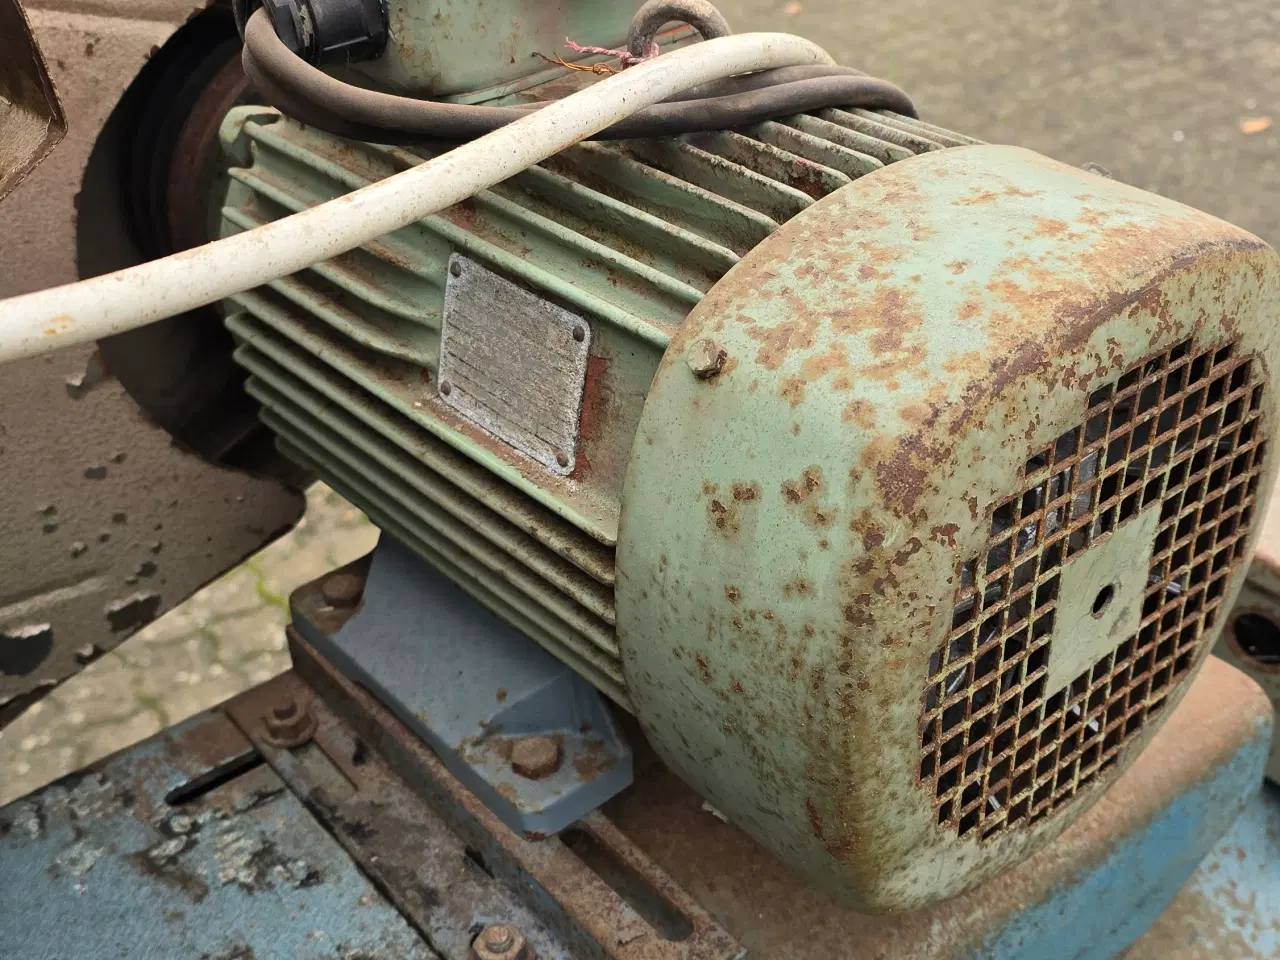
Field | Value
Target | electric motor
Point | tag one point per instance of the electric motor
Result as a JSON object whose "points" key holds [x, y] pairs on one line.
{"points": [[897, 483]]}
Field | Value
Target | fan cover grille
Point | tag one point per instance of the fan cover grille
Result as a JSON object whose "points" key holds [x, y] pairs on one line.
{"points": [[1178, 433]]}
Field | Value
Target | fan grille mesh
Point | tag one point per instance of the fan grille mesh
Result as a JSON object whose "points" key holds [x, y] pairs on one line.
{"points": [[1178, 433]]}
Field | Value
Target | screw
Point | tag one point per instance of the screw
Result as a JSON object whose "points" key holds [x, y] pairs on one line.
{"points": [[342, 590], [446, 388], [705, 358], [455, 268], [289, 724], [562, 458], [535, 758], [579, 333]]}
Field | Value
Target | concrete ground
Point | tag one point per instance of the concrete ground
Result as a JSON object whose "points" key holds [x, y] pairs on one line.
{"points": [[226, 638], [1175, 96]]}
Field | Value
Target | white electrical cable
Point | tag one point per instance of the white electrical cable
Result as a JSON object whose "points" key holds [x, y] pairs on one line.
{"points": [[58, 317]]}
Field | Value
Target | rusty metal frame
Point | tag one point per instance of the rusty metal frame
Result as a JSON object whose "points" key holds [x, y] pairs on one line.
{"points": [[32, 121], [386, 826]]}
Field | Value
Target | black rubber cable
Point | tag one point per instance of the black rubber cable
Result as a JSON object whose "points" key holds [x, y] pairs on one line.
{"points": [[762, 78], [302, 91], [649, 19]]}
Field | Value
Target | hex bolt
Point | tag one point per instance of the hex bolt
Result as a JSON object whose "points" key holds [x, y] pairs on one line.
{"points": [[289, 724], [498, 938], [535, 758], [342, 590], [502, 941], [705, 358]]}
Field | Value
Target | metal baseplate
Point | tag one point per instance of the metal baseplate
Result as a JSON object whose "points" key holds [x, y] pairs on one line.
{"points": [[519, 728], [354, 839]]}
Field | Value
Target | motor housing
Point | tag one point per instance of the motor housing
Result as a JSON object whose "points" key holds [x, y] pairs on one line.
{"points": [[909, 583], [864, 421]]}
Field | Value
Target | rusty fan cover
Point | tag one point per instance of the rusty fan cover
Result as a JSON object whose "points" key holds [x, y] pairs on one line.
{"points": [[1178, 435]]}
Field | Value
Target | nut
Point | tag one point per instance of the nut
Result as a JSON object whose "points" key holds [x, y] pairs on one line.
{"points": [[535, 757], [342, 590], [502, 941], [705, 358], [289, 724]]}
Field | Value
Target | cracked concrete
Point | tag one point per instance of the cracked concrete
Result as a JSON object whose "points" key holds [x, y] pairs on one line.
{"points": [[226, 638]]}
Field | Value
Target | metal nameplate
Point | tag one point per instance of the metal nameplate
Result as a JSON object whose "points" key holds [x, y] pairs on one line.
{"points": [[513, 364]]}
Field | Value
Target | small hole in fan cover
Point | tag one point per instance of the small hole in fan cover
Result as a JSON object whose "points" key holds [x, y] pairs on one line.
{"points": [[1103, 600]]}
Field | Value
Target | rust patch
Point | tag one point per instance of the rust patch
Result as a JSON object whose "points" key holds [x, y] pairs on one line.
{"points": [[912, 547], [776, 343], [1049, 227], [856, 614], [732, 593], [859, 412], [805, 493], [594, 398], [593, 761], [728, 512], [792, 390], [703, 668], [945, 534], [815, 821], [820, 365]]}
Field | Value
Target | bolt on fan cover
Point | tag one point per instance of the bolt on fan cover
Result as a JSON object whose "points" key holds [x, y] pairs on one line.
{"points": [[907, 584]]}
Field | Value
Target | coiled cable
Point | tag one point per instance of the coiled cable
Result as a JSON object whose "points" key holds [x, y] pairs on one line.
{"points": [[310, 95]]}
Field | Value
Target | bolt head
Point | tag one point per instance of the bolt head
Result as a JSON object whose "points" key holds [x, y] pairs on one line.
{"points": [[706, 358], [535, 758], [498, 937], [455, 269], [502, 941], [342, 590], [289, 724]]}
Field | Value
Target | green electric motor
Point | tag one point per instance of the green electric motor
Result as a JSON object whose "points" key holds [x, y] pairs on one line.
{"points": [[897, 483]]}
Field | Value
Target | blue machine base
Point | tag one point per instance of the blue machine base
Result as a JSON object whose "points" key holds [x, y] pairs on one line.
{"points": [[186, 846], [1231, 905], [470, 685]]}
